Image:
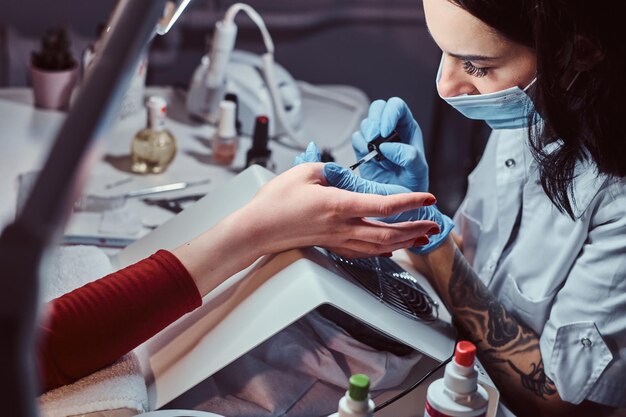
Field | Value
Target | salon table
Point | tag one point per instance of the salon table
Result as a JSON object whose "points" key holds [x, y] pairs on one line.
{"points": [[27, 135]]}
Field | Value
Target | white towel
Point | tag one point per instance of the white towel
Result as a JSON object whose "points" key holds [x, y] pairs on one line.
{"points": [[71, 267], [121, 385]]}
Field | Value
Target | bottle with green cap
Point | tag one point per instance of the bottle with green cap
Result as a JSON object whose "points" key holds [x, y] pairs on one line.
{"points": [[357, 401]]}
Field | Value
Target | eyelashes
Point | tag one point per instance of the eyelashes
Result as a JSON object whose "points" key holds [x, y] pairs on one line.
{"points": [[470, 69]]}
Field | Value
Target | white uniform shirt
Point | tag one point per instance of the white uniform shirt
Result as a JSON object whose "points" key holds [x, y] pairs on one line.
{"points": [[564, 278]]}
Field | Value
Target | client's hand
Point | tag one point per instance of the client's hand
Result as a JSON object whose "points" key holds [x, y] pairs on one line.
{"points": [[347, 180], [299, 209]]}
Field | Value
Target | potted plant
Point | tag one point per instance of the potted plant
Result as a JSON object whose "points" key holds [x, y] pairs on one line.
{"points": [[54, 71]]}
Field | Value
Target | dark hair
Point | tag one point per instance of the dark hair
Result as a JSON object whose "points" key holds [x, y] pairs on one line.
{"points": [[569, 37]]}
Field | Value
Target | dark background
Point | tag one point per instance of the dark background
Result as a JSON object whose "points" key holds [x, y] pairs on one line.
{"points": [[379, 46]]}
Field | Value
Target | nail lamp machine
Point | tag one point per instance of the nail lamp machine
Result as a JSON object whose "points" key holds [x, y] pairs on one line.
{"points": [[253, 305], [245, 79], [262, 86]]}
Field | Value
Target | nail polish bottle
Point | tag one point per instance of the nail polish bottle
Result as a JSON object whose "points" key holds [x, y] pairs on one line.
{"points": [[225, 141], [154, 147], [233, 97], [259, 153]]}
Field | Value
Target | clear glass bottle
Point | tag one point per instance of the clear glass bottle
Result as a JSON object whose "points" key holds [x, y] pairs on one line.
{"points": [[154, 147]]}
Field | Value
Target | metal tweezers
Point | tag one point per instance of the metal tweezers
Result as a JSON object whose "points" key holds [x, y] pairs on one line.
{"points": [[175, 205]]}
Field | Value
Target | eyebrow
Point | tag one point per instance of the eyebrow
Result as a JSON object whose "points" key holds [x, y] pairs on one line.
{"points": [[472, 57], [464, 57]]}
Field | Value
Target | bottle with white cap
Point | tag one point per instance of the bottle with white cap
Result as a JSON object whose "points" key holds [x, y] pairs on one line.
{"points": [[357, 401], [154, 147], [458, 394], [225, 141]]}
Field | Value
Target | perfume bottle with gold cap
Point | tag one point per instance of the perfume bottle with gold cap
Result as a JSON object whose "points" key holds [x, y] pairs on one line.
{"points": [[154, 147]]}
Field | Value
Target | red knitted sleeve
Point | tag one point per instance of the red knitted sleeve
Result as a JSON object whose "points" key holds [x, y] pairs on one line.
{"points": [[93, 326]]}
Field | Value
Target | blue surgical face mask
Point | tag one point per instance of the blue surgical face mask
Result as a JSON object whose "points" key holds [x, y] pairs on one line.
{"points": [[506, 109]]}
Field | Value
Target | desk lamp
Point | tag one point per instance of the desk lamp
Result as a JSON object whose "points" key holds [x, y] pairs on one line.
{"points": [[24, 244]]}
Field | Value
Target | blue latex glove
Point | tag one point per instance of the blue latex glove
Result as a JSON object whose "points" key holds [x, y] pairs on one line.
{"points": [[344, 178], [404, 163], [312, 154]]}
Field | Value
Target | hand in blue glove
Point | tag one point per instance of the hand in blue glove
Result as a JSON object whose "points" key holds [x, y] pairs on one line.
{"points": [[404, 163], [312, 154], [340, 177]]}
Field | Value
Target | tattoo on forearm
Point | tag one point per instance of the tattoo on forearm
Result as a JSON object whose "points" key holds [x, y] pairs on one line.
{"points": [[490, 325], [536, 380], [468, 293]]}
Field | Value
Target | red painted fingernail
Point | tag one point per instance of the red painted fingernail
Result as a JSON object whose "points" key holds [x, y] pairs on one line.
{"points": [[386, 255], [433, 231], [430, 201], [421, 241]]}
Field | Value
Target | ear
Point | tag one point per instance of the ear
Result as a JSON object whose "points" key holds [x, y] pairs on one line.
{"points": [[587, 54]]}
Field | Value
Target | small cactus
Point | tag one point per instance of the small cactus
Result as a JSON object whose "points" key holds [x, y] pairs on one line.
{"points": [[55, 54]]}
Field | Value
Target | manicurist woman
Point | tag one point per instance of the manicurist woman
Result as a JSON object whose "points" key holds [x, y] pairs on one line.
{"points": [[535, 270]]}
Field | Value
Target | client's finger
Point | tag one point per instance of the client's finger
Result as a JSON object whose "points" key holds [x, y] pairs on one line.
{"points": [[376, 232], [360, 249], [347, 253], [373, 205]]}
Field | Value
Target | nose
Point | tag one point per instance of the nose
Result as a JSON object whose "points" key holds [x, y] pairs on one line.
{"points": [[454, 80]]}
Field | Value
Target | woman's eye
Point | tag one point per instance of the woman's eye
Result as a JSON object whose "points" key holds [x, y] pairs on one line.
{"points": [[473, 70]]}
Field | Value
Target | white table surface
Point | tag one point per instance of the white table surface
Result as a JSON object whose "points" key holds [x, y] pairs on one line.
{"points": [[27, 134]]}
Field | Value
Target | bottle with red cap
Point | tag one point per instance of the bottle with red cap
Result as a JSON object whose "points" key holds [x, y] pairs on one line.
{"points": [[458, 394]]}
